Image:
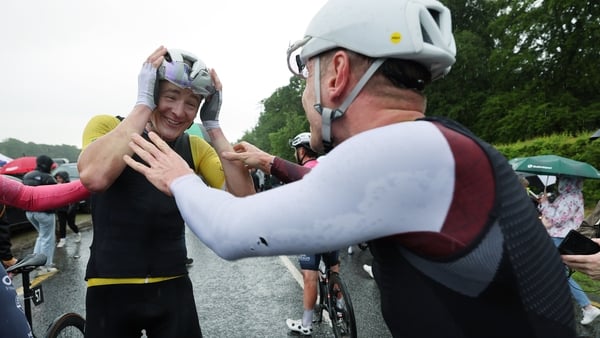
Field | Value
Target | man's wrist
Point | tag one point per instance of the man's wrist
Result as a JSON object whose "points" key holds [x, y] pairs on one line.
{"points": [[211, 124], [269, 161]]}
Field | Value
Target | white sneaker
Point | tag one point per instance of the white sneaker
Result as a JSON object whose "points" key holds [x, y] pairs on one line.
{"points": [[296, 326], [350, 250], [368, 269], [590, 315], [78, 237], [44, 270], [61, 243]]}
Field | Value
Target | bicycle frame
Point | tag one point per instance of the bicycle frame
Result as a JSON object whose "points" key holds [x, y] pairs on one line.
{"points": [[71, 322], [335, 299]]}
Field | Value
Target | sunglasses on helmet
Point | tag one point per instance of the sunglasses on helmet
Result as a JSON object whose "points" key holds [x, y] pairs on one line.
{"points": [[294, 59]]}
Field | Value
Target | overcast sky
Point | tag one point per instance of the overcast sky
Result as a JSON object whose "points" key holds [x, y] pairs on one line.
{"points": [[64, 61]]}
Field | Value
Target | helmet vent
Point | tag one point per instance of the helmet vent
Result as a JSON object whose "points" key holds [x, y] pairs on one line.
{"points": [[426, 37], [435, 15]]}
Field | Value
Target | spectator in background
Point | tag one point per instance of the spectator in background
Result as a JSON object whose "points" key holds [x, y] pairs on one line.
{"points": [[588, 264], [255, 179], [5, 245], [559, 217], [43, 221], [532, 196], [66, 215]]}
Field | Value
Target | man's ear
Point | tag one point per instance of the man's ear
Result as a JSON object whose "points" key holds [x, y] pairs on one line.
{"points": [[339, 75]]}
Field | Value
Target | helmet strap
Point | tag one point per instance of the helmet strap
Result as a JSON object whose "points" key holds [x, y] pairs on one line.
{"points": [[299, 158], [327, 114]]}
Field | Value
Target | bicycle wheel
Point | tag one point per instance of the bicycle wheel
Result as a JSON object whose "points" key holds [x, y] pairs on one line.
{"points": [[344, 325], [67, 325]]}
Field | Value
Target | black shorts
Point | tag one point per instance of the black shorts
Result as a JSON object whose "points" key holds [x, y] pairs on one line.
{"points": [[311, 262], [164, 309]]}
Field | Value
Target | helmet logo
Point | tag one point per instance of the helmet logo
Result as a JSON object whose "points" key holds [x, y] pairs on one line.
{"points": [[396, 37]]}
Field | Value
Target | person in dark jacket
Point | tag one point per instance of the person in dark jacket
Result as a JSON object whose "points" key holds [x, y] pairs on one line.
{"points": [[5, 245], [43, 221], [66, 215]]}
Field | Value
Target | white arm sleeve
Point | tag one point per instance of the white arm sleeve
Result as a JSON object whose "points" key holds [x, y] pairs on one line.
{"points": [[389, 180]]}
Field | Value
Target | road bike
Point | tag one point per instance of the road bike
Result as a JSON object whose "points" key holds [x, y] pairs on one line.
{"points": [[334, 299], [67, 325]]}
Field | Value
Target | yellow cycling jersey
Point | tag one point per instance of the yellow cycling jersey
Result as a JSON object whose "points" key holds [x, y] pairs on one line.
{"points": [[206, 161]]}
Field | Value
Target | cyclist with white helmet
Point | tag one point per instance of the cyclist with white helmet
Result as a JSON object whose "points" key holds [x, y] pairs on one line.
{"points": [[309, 263], [457, 249], [136, 274], [287, 172]]}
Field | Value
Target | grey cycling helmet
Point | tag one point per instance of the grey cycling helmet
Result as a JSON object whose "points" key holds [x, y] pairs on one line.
{"points": [[185, 70], [302, 139], [417, 30]]}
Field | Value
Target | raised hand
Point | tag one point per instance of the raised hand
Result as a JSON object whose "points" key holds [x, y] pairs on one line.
{"points": [[250, 155], [164, 164], [209, 113], [147, 78]]}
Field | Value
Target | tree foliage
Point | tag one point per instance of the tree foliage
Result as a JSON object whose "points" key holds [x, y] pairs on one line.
{"points": [[14, 148], [524, 69]]}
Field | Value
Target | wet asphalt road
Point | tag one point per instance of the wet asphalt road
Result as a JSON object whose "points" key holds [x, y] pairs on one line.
{"points": [[246, 298]]}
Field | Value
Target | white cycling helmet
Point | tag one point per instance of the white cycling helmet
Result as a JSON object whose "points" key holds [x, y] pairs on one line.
{"points": [[302, 139], [185, 70], [417, 30], [414, 30]]}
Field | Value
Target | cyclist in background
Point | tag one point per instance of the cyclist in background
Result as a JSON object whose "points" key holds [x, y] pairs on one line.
{"points": [[288, 172], [309, 263], [458, 251]]}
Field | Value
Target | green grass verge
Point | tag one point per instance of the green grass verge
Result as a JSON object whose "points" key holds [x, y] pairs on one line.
{"points": [[590, 286]]}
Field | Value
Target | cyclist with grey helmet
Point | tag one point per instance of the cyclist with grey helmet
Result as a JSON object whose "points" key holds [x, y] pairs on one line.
{"points": [[136, 275], [457, 249]]}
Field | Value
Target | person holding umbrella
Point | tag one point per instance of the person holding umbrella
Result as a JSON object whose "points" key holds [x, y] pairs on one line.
{"points": [[559, 217]]}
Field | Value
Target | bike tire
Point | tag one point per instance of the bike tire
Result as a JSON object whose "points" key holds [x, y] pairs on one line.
{"points": [[68, 325], [344, 326]]}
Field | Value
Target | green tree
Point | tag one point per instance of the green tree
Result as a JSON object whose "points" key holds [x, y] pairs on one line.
{"points": [[283, 117]]}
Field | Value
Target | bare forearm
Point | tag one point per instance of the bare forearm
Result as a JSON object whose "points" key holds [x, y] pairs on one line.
{"points": [[102, 160], [237, 177]]}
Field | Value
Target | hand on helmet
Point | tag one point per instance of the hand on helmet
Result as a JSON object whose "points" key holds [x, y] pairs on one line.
{"points": [[209, 113], [147, 78]]}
